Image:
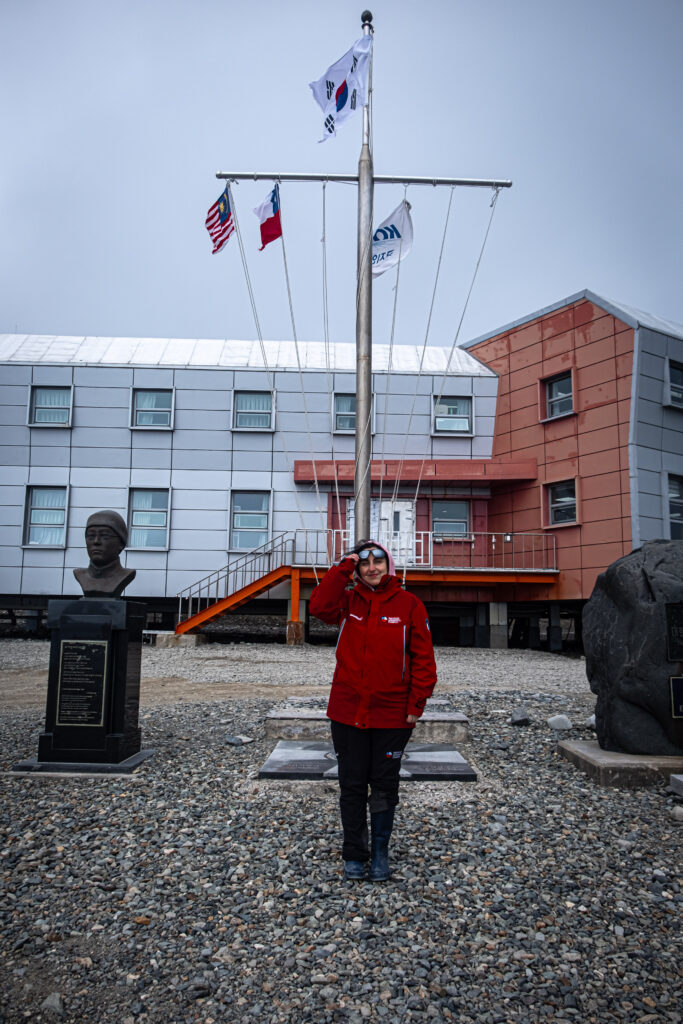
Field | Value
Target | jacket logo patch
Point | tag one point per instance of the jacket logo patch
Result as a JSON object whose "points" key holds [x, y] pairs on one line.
{"points": [[392, 620], [393, 755]]}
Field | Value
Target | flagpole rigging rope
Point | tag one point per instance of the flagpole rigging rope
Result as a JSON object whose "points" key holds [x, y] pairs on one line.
{"points": [[301, 379], [494, 201], [389, 361], [424, 347], [326, 334], [271, 382]]}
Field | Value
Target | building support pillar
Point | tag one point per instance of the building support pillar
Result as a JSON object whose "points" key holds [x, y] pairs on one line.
{"points": [[482, 636], [295, 626], [554, 628], [498, 625]]}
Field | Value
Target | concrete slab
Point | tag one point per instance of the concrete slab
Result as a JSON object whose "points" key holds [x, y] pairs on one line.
{"points": [[313, 760], [676, 783], [168, 639], [81, 768], [609, 768], [297, 723]]}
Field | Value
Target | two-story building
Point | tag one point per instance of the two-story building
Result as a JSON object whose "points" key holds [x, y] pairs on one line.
{"points": [[506, 474]]}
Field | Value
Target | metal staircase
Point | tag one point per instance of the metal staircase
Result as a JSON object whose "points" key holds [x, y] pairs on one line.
{"points": [[471, 557]]}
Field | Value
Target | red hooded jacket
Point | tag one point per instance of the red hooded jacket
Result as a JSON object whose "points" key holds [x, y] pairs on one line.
{"points": [[385, 659]]}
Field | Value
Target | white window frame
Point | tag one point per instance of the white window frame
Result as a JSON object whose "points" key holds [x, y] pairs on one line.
{"points": [[452, 433], [547, 383], [673, 392], [49, 387], [439, 535], [350, 431], [678, 502], [151, 426], [28, 505], [131, 522], [235, 411], [554, 505], [231, 528]]}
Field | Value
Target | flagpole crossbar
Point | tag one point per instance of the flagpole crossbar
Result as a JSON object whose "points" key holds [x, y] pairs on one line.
{"points": [[378, 179]]}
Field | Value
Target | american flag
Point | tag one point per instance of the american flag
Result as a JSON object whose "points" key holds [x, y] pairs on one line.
{"points": [[219, 222]]}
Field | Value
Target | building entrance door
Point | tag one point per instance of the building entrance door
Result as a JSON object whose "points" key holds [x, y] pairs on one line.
{"points": [[392, 523]]}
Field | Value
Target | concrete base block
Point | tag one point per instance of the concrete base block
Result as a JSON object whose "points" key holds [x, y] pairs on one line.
{"points": [[295, 634], [82, 768], [292, 723], [676, 783], [609, 768], [178, 640]]}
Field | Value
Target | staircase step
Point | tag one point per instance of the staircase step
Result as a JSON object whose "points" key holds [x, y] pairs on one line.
{"points": [[297, 723]]}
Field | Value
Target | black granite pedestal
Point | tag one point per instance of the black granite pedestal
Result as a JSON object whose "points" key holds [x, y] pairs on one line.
{"points": [[93, 695]]}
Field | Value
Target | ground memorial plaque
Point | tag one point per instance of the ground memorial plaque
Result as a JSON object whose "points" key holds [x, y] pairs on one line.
{"points": [[314, 759], [633, 639]]}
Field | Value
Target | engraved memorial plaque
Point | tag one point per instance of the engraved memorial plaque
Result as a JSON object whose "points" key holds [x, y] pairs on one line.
{"points": [[82, 682], [674, 632], [676, 696]]}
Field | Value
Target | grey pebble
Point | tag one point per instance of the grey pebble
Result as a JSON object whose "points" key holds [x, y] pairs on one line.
{"points": [[54, 1004], [560, 723]]}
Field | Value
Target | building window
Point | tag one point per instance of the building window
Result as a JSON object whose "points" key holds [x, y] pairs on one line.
{"points": [[562, 503], [45, 523], [253, 410], [50, 407], [676, 507], [152, 409], [249, 526], [452, 415], [676, 384], [148, 518], [344, 413], [450, 519], [558, 396]]}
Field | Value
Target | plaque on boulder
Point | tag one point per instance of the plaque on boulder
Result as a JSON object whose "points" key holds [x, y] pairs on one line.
{"points": [[631, 634]]}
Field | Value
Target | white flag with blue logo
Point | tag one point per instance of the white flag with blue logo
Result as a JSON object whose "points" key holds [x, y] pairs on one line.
{"points": [[393, 239], [343, 88]]}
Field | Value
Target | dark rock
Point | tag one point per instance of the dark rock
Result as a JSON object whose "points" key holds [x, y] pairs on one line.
{"points": [[625, 639], [520, 717]]}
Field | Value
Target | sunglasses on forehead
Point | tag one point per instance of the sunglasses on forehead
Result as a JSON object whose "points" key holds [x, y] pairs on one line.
{"points": [[376, 553]]}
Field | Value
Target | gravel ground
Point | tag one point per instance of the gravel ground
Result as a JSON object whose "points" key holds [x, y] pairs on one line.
{"points": [[194, 892]]}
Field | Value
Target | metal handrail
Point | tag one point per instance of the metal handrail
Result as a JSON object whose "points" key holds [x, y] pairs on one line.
{"points": [[484, 552]]}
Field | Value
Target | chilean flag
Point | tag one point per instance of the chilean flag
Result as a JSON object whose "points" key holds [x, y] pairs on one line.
{"points": [[269, 215]]}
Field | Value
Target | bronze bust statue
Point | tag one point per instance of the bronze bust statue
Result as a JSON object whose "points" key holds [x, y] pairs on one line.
{"points": [[106, 535]]}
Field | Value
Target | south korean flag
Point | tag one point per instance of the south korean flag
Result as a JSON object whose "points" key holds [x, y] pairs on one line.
{"points": [[343, 88]]}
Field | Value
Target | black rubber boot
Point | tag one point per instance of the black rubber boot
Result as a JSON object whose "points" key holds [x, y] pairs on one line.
{"points": [[381, 823], [354, 869]]}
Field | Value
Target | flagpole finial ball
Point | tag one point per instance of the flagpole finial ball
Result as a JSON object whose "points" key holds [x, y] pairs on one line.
{"points": [[366, 18]]}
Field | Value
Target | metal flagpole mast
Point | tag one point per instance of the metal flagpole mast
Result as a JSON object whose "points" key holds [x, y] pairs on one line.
{"points": [[366, 180], [362, 482]]}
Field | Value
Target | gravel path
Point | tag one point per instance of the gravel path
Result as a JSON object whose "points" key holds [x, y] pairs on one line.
{"points": [[193, 892]]}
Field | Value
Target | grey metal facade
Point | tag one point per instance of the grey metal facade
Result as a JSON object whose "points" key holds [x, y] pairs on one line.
{"points": [[656, 443], [201, 459]]}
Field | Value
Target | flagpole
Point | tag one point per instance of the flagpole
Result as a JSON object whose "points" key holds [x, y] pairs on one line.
{"points": [[362, 480]]}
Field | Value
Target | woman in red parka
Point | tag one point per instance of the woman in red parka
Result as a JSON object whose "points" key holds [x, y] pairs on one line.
{"points": [[385, 673]]}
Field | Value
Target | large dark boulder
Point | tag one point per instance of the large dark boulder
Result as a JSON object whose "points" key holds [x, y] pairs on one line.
{"points": [[625, 640]]}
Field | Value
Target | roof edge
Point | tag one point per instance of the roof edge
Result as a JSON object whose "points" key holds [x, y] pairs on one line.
{"points": [[632, 317]]}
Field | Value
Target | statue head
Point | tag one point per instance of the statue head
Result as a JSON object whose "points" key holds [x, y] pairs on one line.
{"points": [[106, 535]]}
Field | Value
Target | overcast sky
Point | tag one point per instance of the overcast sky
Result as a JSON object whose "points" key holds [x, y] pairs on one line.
{"points": [[115, 117]]}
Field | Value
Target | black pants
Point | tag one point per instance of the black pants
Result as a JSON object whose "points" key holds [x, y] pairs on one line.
{"points": [[366, 757]]}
